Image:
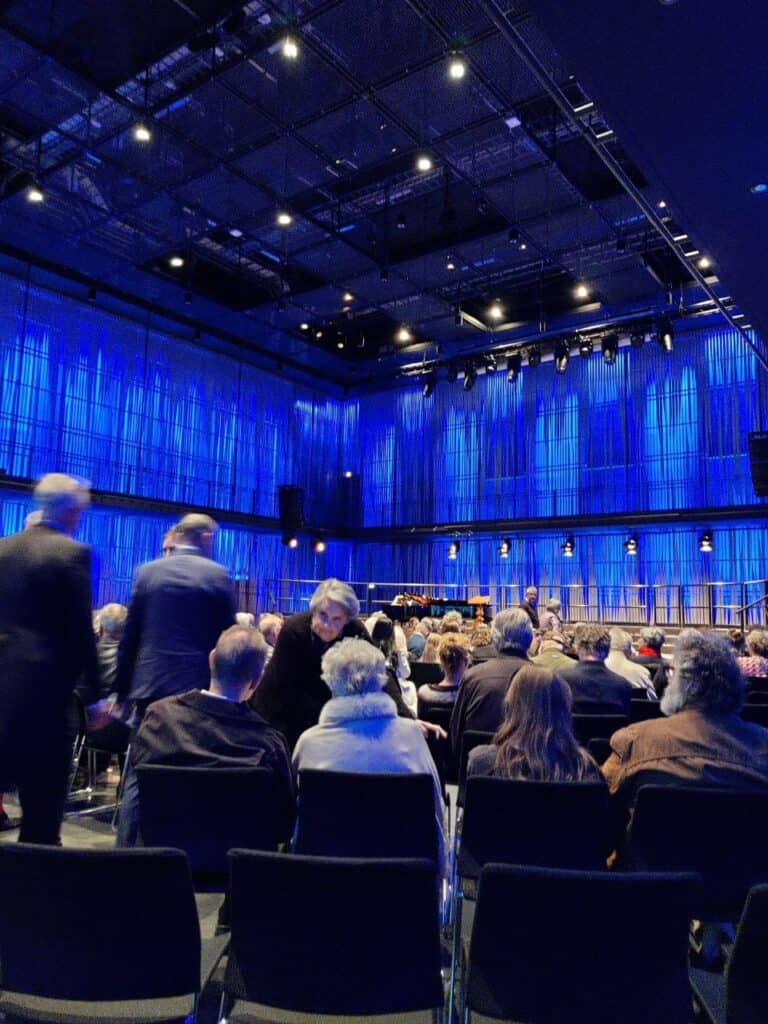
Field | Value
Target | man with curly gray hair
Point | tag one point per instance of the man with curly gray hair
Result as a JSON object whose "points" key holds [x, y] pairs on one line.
{"points": [[703, 739]]}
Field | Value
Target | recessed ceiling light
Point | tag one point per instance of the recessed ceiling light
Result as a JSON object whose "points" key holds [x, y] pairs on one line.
{"points": [[690, 253], [404, 334], [304, 326], [290, 48], [318, 334], [35, 194], [581, 291], [495, 310], [339, 344], [704, 263], [141, 133], [424, 162], [284, 219], [176, 262], [457, 68], [679, 238], [236, 232], [522, 246], [450, 263], [348, 297], [662, 204]]}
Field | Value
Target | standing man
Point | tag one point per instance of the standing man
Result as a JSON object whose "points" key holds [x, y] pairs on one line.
{"points": [[47, 647], [179, 607], [528, 604]]}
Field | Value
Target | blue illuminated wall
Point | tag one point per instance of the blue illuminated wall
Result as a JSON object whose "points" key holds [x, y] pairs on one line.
{"points": [[144, 414]]}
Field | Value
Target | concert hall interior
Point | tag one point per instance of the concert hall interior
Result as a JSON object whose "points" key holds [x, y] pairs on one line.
{"points": [[435, 297]]}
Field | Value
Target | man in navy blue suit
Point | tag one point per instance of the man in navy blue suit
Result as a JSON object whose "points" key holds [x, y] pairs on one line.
{"points": [[179, 607]]}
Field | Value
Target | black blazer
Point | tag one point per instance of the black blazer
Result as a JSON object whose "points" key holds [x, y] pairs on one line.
{"points": [[47, 645]]}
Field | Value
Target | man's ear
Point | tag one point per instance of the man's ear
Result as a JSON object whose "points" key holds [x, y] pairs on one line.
{"points": [[210, 659]]}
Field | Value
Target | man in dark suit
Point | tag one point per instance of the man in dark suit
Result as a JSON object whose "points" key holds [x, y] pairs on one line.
{"points": [[47, 648], [216, 727], [479, 704], [528, 604], [179, 607], [595, 689]]}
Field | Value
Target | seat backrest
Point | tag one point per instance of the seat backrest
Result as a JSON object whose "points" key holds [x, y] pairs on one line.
{"points": [[757, 713], [558, 824], [469, 740], [424, 672], [600, 749], [97, 924], [757, 697], [326, 936], [597, 726], [353, 814], [747, 993], [712, 831], [757, 684], [644, 709], [207, 811], [551, 946]]}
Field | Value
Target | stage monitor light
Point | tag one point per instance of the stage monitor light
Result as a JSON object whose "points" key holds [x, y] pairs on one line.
{"points": [[665, 334], [504, 547], [290, 540], [514, 363], [630, 546], [610, 346], [705, 543], [586, 347], [470, 376], [567, 548], [562, 355], [453, 550], [457, 67], [318, 546], [637, 337]]}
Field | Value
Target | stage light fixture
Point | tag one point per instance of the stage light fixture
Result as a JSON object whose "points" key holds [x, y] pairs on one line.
{"points": [[348, 297], [586, 347], [513, 236], [661, 204], [318, 546], [610, 346], [290, 48], [402, 222], [404, 335], [630, 546], [35, 193], [637, 337], [236, 232], [704, 263], [176, 262], [304, 326], [665, 334], [705, 543], [470, 376], [534, 356], [504, 547], [514, 363], [562, 355], [281, 305], [457, 67], [290, 540], [430, 383], [581, 290], [491, 366], [759, 188], [318, 335], [348, 474], [450, 263], [424, 163], [141, 133], [453, 550], [496, 310], [458, 318], [452, 375], [284, 219], [567, 548]]}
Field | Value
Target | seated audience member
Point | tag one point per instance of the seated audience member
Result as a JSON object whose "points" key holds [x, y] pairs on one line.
{"points": [[359, 729], [535, 741], [594, 686], [756, 661], [618, 661], [216, 727], [649, 654], [104, 732], [703, 739], [480, 700], [416, 636], [737, 641], [550, 654], [270, 625], [429, 655], [451, 622], [550, 620], [453, 653], [384, 635], [481, 644]]}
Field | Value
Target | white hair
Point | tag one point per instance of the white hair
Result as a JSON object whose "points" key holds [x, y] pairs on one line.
{"points": [[620, 639], [354, 667], [338, 591], [511, 629], [57, 493], [652, 636]]}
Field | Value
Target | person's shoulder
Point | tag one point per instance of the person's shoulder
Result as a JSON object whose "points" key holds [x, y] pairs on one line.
{"points": [[624, 739]]}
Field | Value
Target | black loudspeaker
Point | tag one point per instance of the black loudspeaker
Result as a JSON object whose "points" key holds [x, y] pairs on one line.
{"points": [[290, 500], [758, 461]]}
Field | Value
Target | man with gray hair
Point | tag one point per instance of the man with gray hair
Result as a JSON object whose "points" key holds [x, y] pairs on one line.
{"points": [[479, 704], [179, 607], [215, 727], [703, 739], [618, 661], [595, 689], [47, 648]]}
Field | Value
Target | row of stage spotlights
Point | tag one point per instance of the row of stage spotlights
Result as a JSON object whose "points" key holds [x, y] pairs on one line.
{"points": [[563, 348], [631, 546], [291, 540]]}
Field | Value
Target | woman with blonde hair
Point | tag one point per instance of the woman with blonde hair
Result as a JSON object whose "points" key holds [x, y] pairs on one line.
{"points": [[453, 654], [535, 741]]}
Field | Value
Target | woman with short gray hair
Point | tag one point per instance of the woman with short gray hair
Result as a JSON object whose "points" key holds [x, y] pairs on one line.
{"points": [[359, 729], [292, 691], [550, 620]]}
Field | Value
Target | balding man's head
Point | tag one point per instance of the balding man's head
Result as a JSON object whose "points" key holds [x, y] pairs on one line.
{"points": [[197, 531], [237, 662]]}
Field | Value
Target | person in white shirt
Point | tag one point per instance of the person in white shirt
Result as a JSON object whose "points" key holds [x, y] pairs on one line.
{"points": [[618, 662]]}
